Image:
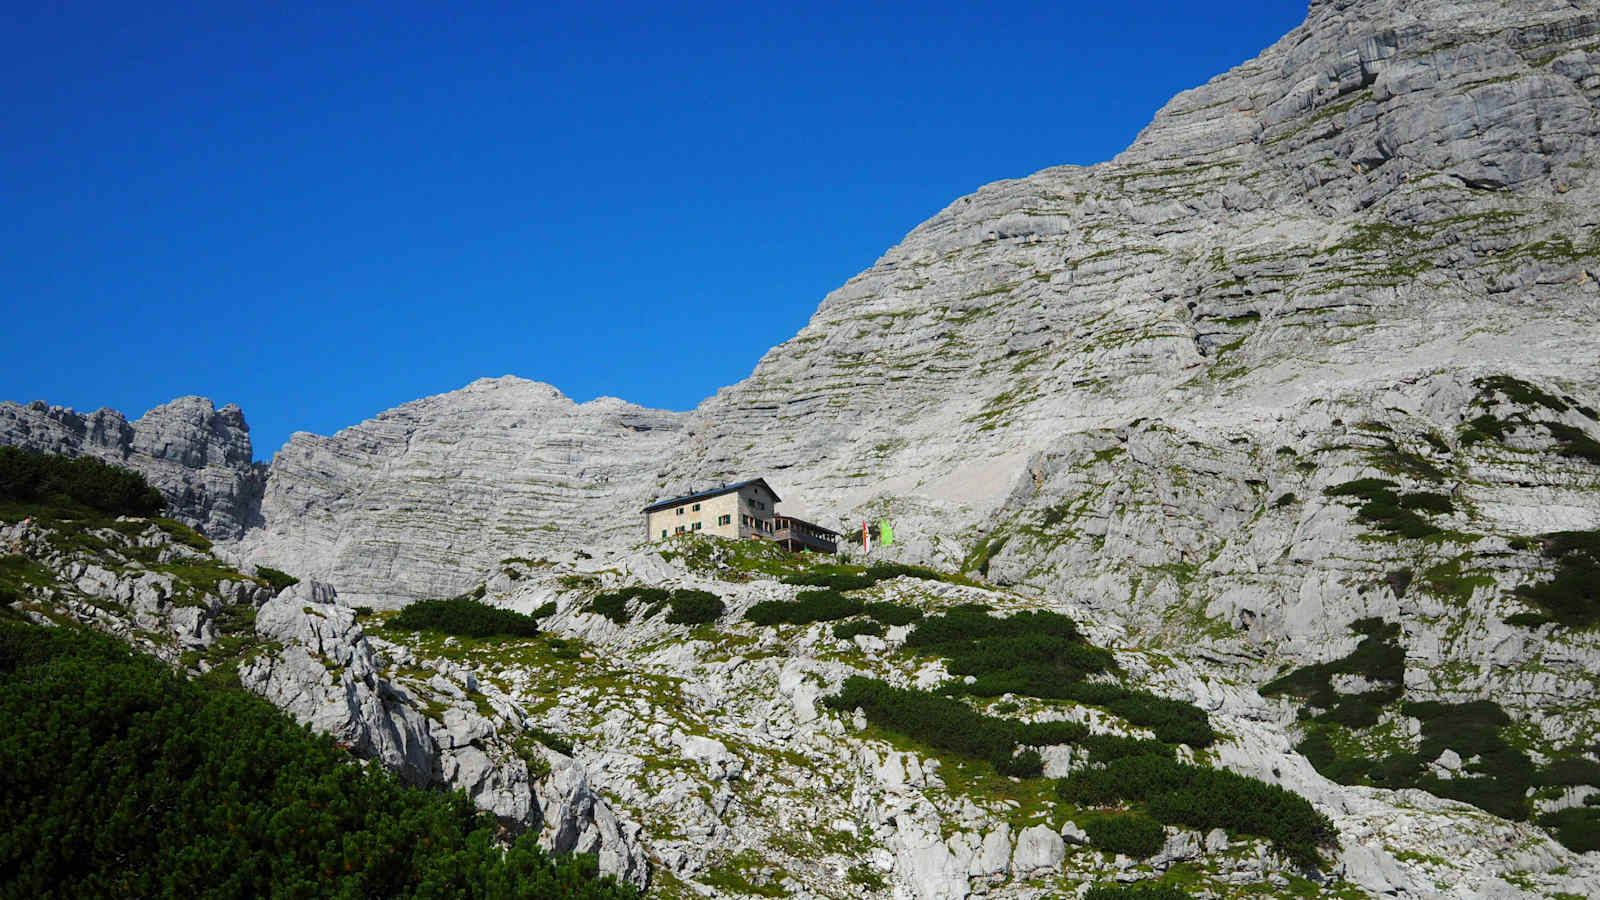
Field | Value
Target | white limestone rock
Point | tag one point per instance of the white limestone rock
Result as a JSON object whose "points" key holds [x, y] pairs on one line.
{"points": [[1038, 847]]}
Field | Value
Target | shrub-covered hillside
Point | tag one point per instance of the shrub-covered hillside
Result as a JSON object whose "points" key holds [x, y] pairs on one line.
{"points": [[124, 779]]}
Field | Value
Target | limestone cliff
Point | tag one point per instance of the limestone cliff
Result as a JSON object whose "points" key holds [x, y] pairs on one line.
{"points": [[418, 500], [198, 456], [1317, 351]]}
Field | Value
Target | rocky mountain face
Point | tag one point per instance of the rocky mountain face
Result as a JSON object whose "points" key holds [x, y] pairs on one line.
{"points": [[422, 499], [1307, 375], [198, 456]]}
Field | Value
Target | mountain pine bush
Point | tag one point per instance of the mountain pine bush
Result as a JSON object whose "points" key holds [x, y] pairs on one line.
{"points": [[29, 477], [467, 618], [123, 779]]}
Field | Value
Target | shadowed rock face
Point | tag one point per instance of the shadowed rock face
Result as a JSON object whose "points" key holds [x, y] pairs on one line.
{"points": [[196, 455]]}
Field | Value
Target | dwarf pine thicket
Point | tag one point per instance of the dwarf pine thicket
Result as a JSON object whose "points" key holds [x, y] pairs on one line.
{"points": [[125, 779]]}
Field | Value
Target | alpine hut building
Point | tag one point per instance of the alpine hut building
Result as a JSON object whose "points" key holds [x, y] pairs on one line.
{"points": [[748, 509]]}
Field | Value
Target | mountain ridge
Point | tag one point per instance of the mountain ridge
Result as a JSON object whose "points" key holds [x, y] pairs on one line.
{"points": [[1308, 369]]}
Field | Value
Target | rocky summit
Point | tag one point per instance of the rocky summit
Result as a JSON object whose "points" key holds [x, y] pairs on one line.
{"points": [[1291, 407]]}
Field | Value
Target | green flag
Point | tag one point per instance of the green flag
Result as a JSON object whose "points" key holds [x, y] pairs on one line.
{"points": [[885, 533]]}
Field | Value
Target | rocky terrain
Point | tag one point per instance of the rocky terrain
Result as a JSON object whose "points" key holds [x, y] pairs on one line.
{"points": [[298, 647], [1316, 352], [699, 759], [198, 456]]}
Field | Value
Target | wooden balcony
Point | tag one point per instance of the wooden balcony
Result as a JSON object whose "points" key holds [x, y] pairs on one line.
{"points": [[797, 534]]}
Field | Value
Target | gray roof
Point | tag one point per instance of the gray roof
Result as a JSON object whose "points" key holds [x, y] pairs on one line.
{"points": [[702, 495]]}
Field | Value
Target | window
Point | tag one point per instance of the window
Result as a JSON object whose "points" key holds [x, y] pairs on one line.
{"points": [[724, 520], [678, 530], [663, 532], [696, 507], [696, 526], [680, 510]]}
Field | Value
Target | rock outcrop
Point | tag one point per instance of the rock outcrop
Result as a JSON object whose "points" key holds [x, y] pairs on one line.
{"points": [[325, 673], [419, 500], [196, 455]]}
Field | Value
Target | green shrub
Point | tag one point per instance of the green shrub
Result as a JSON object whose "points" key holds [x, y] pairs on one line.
{"points": [[1041, 654], [1384, 508], [893, 613], [1569, 771], [848, 578], [614, 604], [807, 607], [1107, 747], [866, 876], [552, 740], [1173, 721], [963, 627], [1378, 657], [1023, 764], [1578, 827], [548, 608], [467, 618], [945, 723], [1043, 734], [1139, 891], [692, 607], [173, 785], [833, 580], [1519, 392], [1571, 595], [1399, 581], [183, 534], [1178, 793], [1130, 834], [1527, 619], [1574, 442], [885, 571], [29, 477], [275, 579], [844, 631]]}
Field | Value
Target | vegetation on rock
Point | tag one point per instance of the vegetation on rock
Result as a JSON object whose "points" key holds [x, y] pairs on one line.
{"points": [[461, 616], [275, 579], [692, 607], [1182, 794], [1571, 595], [29, 477], [123, 779]]}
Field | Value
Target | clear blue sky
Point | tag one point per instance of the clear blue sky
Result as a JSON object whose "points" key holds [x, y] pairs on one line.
{"points": [[321, 212]]}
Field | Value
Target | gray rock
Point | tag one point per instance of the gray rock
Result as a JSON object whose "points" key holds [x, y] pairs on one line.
{"points": [[1038, 847], [197, 456], [420, 500], [576, 820]]}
